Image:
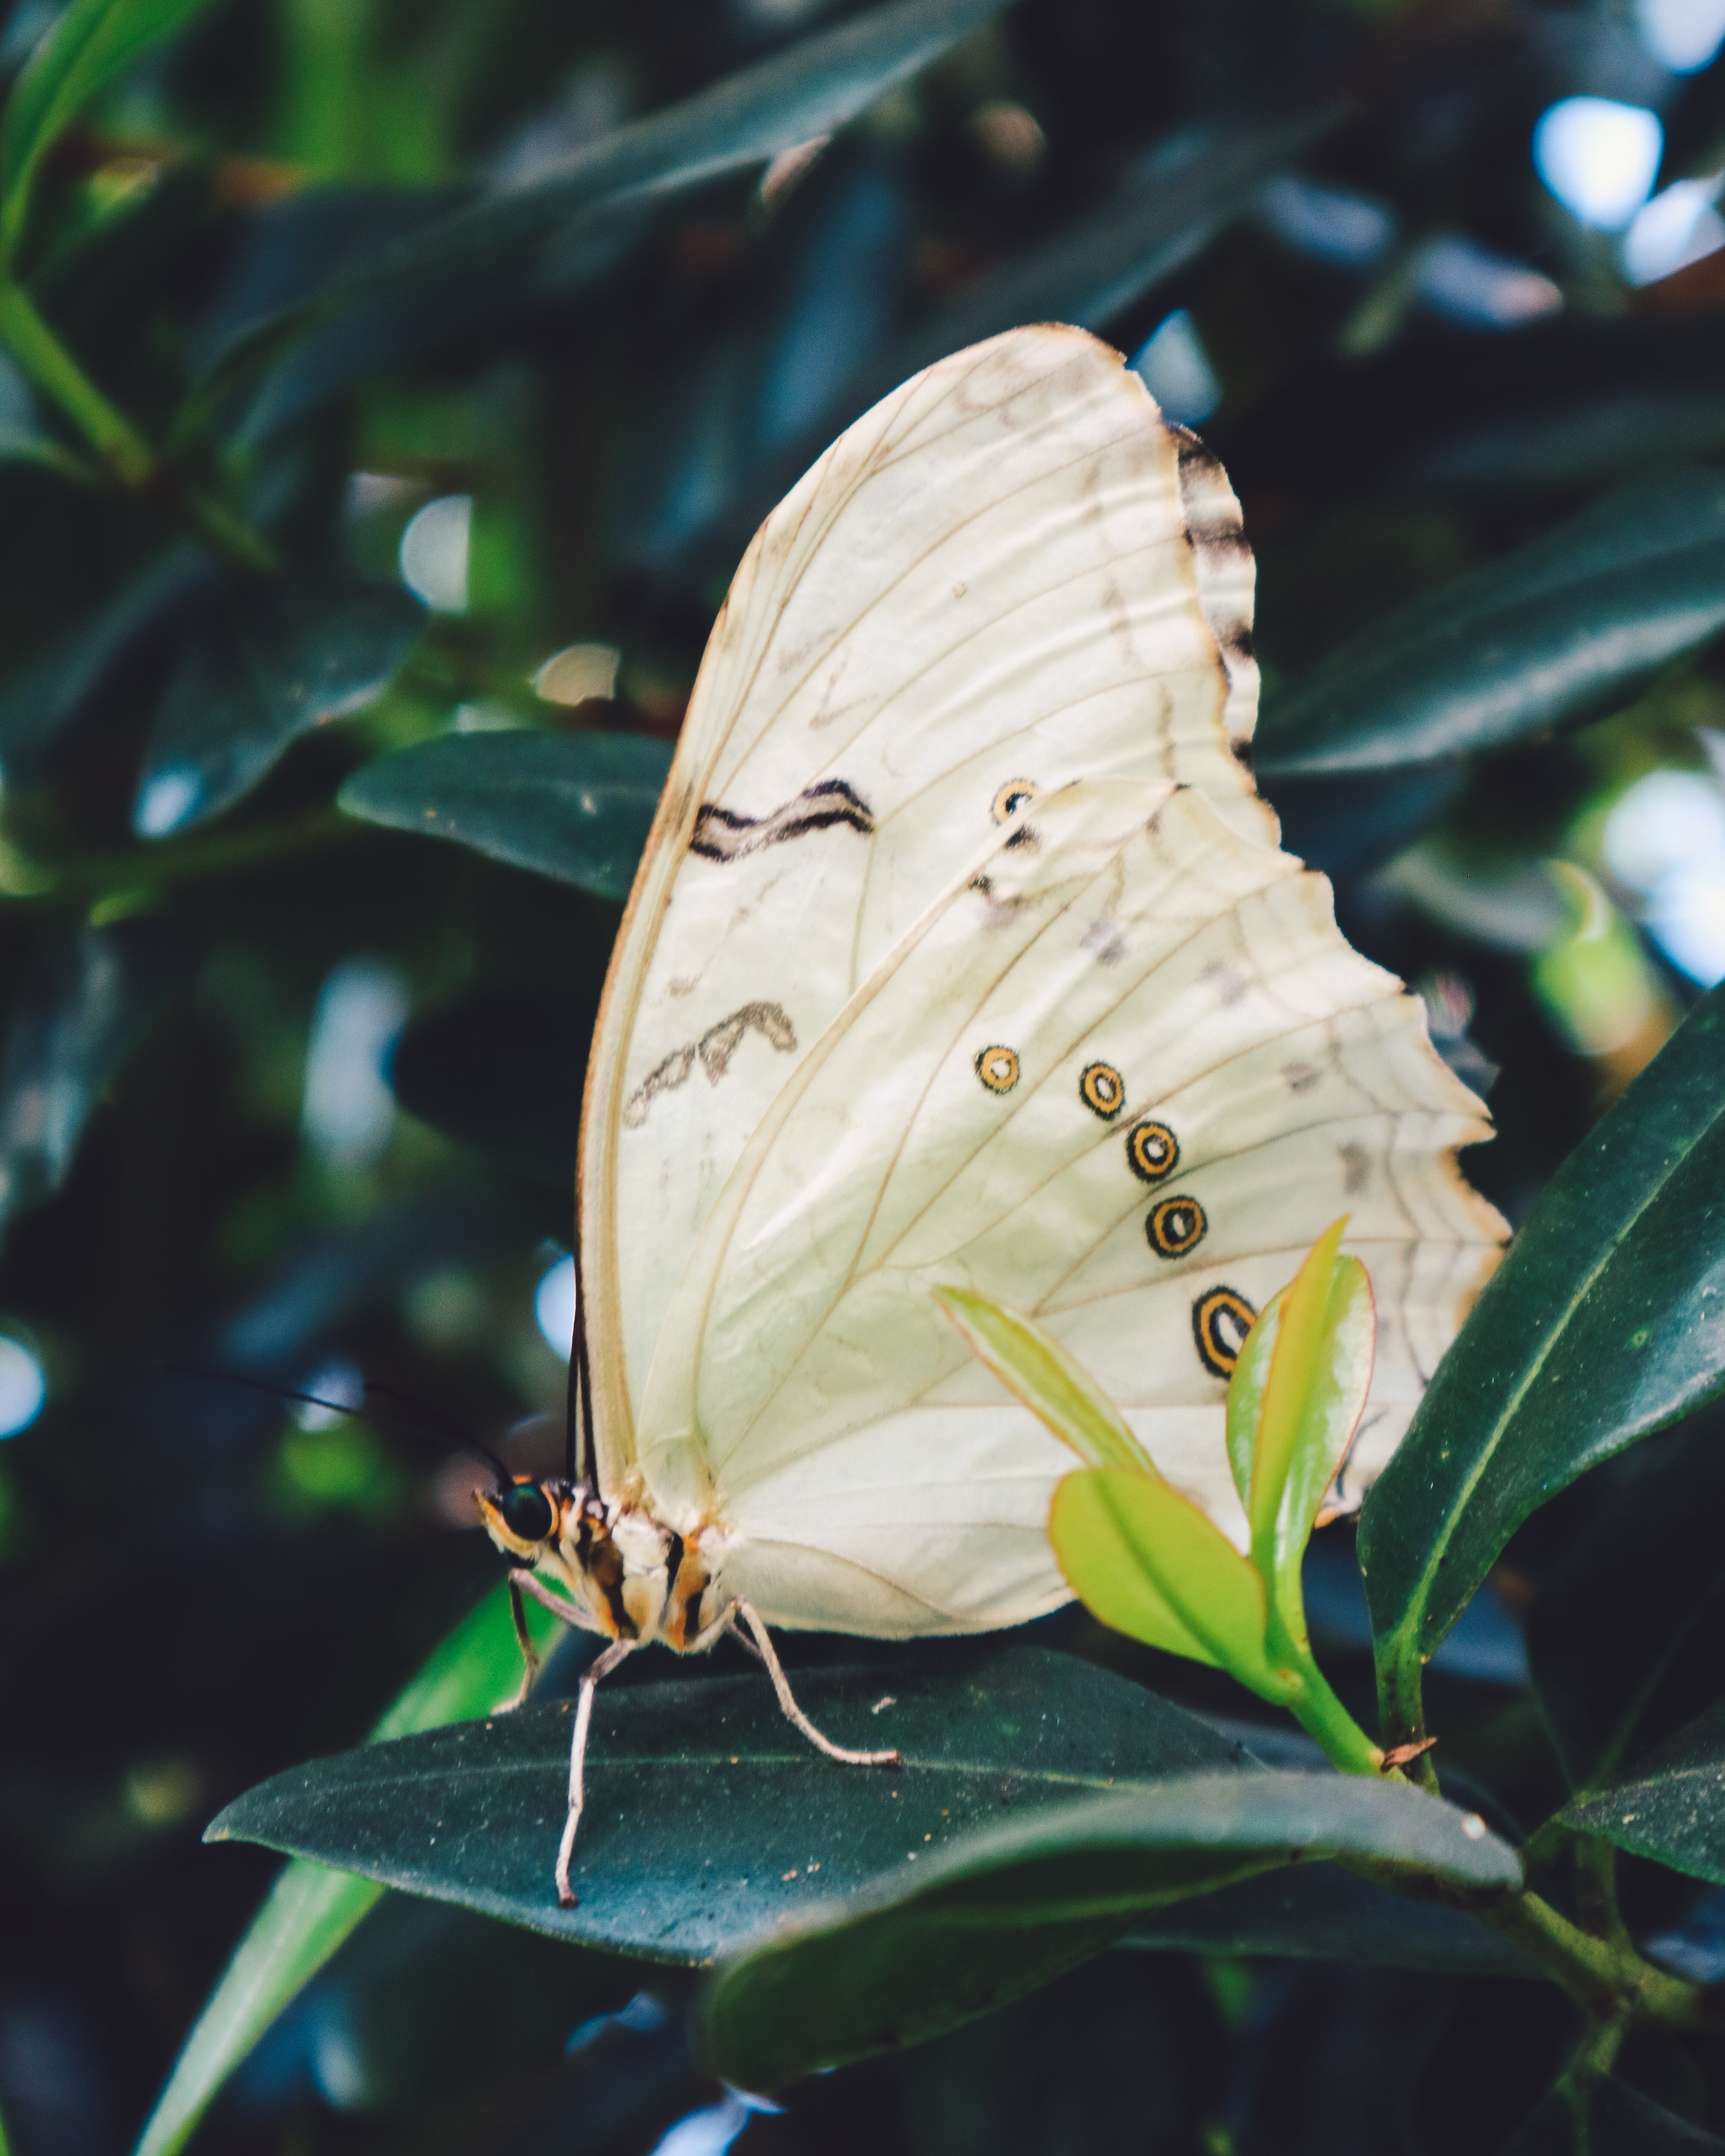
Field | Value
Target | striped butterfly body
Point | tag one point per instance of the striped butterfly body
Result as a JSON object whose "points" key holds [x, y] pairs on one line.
{"points": [[962, 953]]}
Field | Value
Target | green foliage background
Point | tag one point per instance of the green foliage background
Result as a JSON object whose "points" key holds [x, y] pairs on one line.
{"points": [[277, 274]]}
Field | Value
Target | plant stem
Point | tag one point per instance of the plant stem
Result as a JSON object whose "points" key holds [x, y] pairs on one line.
{"points": [[1318, 1711], [118, 444], [1607, 1976], [53, 369]]}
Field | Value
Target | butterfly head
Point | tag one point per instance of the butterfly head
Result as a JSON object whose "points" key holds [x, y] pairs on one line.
{"points": [[524, 1518]]}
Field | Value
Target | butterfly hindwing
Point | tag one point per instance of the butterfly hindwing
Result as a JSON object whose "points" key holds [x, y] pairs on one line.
{"points": [[1119, 1076]]}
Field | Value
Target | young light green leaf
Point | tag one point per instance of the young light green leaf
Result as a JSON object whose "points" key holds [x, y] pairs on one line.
{"points": [[1324, 1347], [93, 43], [1146, 1560], [1605, 1321], [1246, 1396], [310, 1910], [1032, 1364]]}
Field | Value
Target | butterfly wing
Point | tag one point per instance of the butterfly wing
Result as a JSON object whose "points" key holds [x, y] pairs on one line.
{"points": [[1008, 575], [1119, 1076]]}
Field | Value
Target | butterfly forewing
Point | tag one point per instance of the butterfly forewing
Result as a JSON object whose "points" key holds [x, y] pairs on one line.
{"points": [[1119, 1076], [1008, 575]]}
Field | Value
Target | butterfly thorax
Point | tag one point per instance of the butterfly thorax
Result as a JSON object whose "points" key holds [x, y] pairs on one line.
{"points": [[635, 1577]]}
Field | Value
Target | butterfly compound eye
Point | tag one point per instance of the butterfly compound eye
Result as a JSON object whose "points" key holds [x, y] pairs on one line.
{"points": [[526, 1512]]}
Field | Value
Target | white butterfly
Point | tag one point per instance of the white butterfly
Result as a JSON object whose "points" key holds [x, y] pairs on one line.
{"points": [[962, 953]]}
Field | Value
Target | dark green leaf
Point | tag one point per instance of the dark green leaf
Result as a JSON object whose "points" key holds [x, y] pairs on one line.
{"points": [[1605, 1321], [702, 1799], [310, 1910], [575, 806], [1627, 1635], [91, 45], [1001, 1911], [1607, 2118], [1563, 629], [1320, 1912], [272, 667], [48, 692], [89, 1004], [1672, 1807]]}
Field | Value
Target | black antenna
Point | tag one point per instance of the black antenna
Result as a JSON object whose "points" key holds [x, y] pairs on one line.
{"points": [[580, 1449], [373, 1388]]}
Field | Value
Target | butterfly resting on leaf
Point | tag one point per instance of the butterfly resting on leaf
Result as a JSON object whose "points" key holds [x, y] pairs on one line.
{"points": [[963, 955]]}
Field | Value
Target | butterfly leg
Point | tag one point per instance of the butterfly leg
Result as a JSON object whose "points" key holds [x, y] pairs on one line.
{"points": [[793, 1713], [599, 1669], [520, 1582]]}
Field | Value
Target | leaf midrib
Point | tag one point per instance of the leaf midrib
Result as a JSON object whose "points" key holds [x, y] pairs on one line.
{"points": [[1416, 1605]]}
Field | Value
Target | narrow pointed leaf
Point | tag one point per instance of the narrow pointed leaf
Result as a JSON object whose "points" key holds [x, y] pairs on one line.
{"points": [[310, 1910], [1032, 1364], [91, 45], [575, 806], [1605, 1321], [1563, 628], [967, 1928], [1146, 1560]]}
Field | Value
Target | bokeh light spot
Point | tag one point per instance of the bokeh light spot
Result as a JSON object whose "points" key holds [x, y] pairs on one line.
{"points": [[554, 1305], [24, 1388], [434, 549], [1600, 158]]}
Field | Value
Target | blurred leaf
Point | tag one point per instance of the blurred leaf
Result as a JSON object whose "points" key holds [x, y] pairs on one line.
{"points": [[811, 88], [703, 1801], [1559, 408], [93, 43], [1602, 2117], [1626, 1634], [990, 1918], [430, 2005], [89, 1002], [1672, 1807], [270, 667], [1320, 1912], [309, 1911], [562, 230], [1562, 630], [1177, 201], [1605, 1321], [575, 806], [1345, 826], [1145, 1559], [47, 692], [1036, 1369]]}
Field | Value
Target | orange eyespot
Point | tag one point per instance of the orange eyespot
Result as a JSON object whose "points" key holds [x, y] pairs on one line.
{"points": [[1220, 1322], [1102, 1090], [1176, 1226], [1153, 1151], [1012, 797], [998, 1069]]}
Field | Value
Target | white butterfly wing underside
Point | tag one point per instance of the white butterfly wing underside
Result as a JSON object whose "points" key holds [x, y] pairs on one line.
{"points": [[951, 1127], [1009, 574]]}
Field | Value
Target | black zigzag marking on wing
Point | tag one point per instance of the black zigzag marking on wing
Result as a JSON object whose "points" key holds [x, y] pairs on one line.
{"points": [[720, 835]]}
